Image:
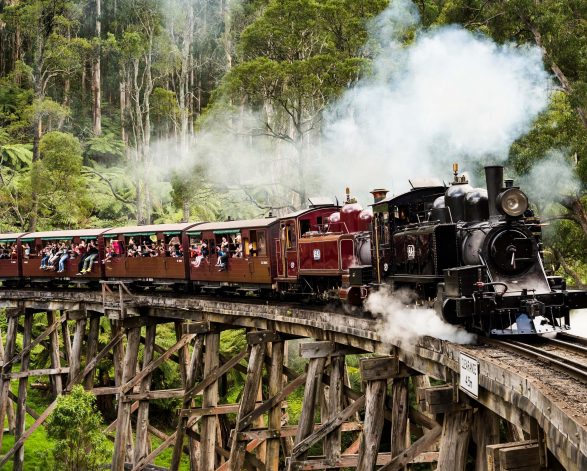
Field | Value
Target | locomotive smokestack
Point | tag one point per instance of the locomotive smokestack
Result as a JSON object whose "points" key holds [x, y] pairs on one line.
{"points": [[379, 194], [494, 179]]}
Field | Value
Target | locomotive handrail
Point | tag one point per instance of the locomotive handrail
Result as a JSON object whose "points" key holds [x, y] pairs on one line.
{"points": [[325, 228]]}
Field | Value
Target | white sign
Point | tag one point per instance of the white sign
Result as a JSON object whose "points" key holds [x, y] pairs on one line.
{"points": [[316, 254], [469, 375], [411, 252]]}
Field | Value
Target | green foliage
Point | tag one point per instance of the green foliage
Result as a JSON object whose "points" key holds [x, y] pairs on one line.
{"points": [[107, 148], [58, 181], [75, 426]]}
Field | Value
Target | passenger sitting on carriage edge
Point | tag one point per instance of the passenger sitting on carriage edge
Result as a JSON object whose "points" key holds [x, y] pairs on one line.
{"points": [[62, 259], [92, 254], [82, 250], [46, 256], [222, 258]]}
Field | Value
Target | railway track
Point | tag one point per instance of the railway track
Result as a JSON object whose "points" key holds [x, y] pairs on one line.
{"points": [[566, 353]]}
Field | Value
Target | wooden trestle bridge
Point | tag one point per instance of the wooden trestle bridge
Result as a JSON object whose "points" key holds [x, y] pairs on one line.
{"points": [[518, 421]]}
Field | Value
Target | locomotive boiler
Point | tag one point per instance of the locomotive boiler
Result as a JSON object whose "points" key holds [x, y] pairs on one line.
{"points": [[472, 253]]}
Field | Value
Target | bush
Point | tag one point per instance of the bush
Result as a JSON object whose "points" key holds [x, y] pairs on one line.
{"points": [[75, 427]]}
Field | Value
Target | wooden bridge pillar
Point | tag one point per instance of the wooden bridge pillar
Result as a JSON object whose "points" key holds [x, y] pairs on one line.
{"points": [[56, 380], [485, 432], [249, 396], [123, 438], [375, 372], [92, 346], [316, 353], [210, 399], [142, 433], [22, 389], [10, 415], [332, 442], [191, 376], [400, 407], [275, 414], [13, 316], [456, 427]]}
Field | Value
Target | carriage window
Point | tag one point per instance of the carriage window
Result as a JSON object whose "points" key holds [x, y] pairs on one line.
{"points": [[252, 244], [172, 248]]}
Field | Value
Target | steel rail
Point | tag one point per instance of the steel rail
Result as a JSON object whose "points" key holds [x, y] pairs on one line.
{"points": [[571, 367]]}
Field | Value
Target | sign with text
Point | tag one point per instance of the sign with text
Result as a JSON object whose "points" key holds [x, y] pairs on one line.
{"points": [[469, 375]]}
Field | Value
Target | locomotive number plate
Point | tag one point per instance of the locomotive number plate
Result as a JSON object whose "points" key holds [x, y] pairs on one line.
{"points": [[411, 252], [469, 375]]}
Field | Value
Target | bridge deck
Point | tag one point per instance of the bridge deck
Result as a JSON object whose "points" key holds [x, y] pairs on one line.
{"points": [[519, 391]]}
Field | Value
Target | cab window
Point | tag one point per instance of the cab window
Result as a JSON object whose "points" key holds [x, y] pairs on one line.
{"points": [[304, 226], [290, 236]]}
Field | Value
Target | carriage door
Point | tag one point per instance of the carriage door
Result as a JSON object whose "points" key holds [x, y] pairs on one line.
{"points": [[289, 244]]}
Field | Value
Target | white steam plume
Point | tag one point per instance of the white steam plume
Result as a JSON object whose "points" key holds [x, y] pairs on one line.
{"points": [[402, 324], [451, 95], [551, 178], [579, 322]]}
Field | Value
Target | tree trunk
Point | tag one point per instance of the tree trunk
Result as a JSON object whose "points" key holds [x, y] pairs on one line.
{"points": [[96, 86], [577, 210]]}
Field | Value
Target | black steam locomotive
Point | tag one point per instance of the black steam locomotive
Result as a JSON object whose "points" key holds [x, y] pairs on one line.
{"points": [[473, 253]]}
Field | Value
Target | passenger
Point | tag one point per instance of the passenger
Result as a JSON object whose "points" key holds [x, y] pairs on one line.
{"points": [[45, 259], [54, 259], [109, 254], [224, 245], [27, 251], [89, 261], [219, 254], [238, 246], [62, 259], [82, 250], [223, 261], [252, 250], [199, 256]]}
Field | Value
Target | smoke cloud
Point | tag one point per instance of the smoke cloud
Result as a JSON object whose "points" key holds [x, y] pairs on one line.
{"points": [[579, 322], [551, 178], [451, 95], [402, 324]]}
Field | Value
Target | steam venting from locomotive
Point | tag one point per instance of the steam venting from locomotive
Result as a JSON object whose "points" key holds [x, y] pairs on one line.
{"points": [[451, 95], [401, 323]]}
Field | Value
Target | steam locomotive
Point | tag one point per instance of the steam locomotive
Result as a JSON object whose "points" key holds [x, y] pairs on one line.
{"points": [[474, 254]]}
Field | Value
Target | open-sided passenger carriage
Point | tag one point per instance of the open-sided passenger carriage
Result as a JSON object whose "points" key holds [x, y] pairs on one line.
{"points": [[169, 267], [11, 266], [31, 266], [249, 264]]}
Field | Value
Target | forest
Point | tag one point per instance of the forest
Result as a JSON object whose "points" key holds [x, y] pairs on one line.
{"points": [[150, 111], [154, 111]]}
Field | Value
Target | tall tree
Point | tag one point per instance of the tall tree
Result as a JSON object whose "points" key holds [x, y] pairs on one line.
{"points": [[295, 60], [96, 71]]}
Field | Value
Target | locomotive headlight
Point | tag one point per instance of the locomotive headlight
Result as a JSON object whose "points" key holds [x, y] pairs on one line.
{"points": [[512, 202]]}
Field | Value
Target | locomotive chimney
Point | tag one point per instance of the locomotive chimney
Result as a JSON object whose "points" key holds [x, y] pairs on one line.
{"points": [[494, 179], [379, 194]]}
